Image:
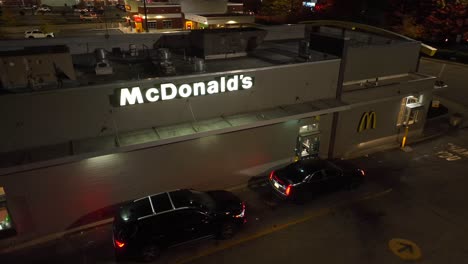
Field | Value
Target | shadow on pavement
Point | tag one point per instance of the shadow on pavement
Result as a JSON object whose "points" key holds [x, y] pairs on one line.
{"points": [[97, 215]]}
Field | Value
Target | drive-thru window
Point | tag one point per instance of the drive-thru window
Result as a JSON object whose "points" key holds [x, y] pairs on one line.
{"points": [[410, 109], [308, 141]]}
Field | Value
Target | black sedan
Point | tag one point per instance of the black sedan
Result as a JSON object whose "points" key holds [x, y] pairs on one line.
{"points": [[146, 225], [313, 176]]}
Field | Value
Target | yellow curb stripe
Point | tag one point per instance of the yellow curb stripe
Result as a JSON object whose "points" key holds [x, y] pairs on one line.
{"points": [[268, 231]]}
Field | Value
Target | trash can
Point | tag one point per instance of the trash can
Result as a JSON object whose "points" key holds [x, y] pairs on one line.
{"points": [[455, 120]]}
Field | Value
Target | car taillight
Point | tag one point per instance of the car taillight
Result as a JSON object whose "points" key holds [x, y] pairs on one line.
{"points": [[288, 190], [271, 174], [119, 244], [362, 172], [242, 214]]}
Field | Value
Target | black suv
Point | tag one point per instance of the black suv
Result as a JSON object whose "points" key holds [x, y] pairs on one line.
{"points": [[312, 176], [144, 226]]}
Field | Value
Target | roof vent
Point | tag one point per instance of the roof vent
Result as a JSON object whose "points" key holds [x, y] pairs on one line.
{"points": [[199, 65], [102, 66], [163, 62], [304, 50], [133, 50]]}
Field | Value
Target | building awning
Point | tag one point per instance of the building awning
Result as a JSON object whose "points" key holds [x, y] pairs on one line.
{"points": [[220, 19], [158, 136], [162, 16]]}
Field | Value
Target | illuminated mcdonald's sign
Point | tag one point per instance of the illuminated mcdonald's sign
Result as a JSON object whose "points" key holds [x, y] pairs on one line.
{"points": [[368, 121]]}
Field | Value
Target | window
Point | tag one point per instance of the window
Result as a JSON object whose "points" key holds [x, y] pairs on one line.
{"points": [[308, 146], [6, 224], [167, 23], [409, 110], [161, 202], [152, 24], [142, 208]]}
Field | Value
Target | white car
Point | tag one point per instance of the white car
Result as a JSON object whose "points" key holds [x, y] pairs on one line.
{"points": [[79, 10], [36, 33], [88, 17], [43, 9]]}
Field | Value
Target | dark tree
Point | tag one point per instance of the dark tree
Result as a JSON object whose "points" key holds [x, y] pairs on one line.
{"points": [[447, 21]]}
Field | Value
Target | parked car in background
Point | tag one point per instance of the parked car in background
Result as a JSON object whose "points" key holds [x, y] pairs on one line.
{"points": [[80, 10], [88, 17], [144, 226], [36, 33], [314, 176], [33, 7], [43, 9], [120, 6]]}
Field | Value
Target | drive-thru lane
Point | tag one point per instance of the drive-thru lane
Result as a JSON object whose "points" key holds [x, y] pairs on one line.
{"points": [[415, 196]]}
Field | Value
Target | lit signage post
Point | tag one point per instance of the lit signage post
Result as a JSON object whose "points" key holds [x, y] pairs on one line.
{"points": [[169, 91]]}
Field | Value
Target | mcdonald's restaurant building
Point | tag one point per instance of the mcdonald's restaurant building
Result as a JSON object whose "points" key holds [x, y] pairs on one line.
{"points": [[339, 93]]}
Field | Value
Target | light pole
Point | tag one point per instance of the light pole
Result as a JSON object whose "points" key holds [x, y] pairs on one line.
{"points": [[146, 16]]}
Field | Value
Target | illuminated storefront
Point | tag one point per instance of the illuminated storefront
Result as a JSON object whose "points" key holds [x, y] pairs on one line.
{"points": [[231, 109], [6, 225]]}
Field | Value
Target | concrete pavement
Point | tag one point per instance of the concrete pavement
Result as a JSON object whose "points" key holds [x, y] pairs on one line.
{"points": [[417, 195], [455, 75]]}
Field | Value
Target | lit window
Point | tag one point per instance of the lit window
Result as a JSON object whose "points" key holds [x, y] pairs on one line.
{"points": [[167, 23], [410, 109], [152, 24], [6, 224]]}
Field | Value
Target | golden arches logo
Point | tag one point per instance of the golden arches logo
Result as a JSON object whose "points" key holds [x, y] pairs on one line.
{"points": [[368, 121]]}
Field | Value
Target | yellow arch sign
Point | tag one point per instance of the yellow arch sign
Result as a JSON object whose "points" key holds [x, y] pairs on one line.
{"points": [[368, 121], [404, 249]]}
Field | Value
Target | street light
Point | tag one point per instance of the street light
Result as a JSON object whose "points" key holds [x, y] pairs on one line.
{"points": [[146, 16]]}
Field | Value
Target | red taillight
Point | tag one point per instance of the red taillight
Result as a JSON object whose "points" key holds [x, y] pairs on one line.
{"points": [[288, 190], [119, 244], [242, 213], [271, 174]]}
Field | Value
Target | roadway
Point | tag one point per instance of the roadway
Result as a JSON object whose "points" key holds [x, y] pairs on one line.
{"points": [[417, 195]]}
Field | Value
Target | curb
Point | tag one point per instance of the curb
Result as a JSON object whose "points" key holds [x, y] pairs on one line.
{"points": [[445, 61]]}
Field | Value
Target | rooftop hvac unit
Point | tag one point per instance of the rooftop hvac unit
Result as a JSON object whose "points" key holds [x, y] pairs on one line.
{"points": [[103, 66], [198, 65], [304, 50], [163, 62], [133, 50], [164, 54]]}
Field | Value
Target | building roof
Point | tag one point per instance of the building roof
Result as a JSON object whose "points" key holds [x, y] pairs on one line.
{"points": [[38, 50]]}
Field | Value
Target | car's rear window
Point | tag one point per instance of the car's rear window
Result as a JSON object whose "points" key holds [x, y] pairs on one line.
{"points": [[161, 202], [192, 198], [141, 208], [180, 198]]}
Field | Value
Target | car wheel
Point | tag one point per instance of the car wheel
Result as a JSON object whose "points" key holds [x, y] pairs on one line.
{"points": [[119, 257], [298, 199], [353, 185], [49, 36], [150, 252], [227, 230]]}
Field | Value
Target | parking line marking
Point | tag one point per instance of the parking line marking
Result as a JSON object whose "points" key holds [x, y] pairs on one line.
{"points": [[312, 215]]}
